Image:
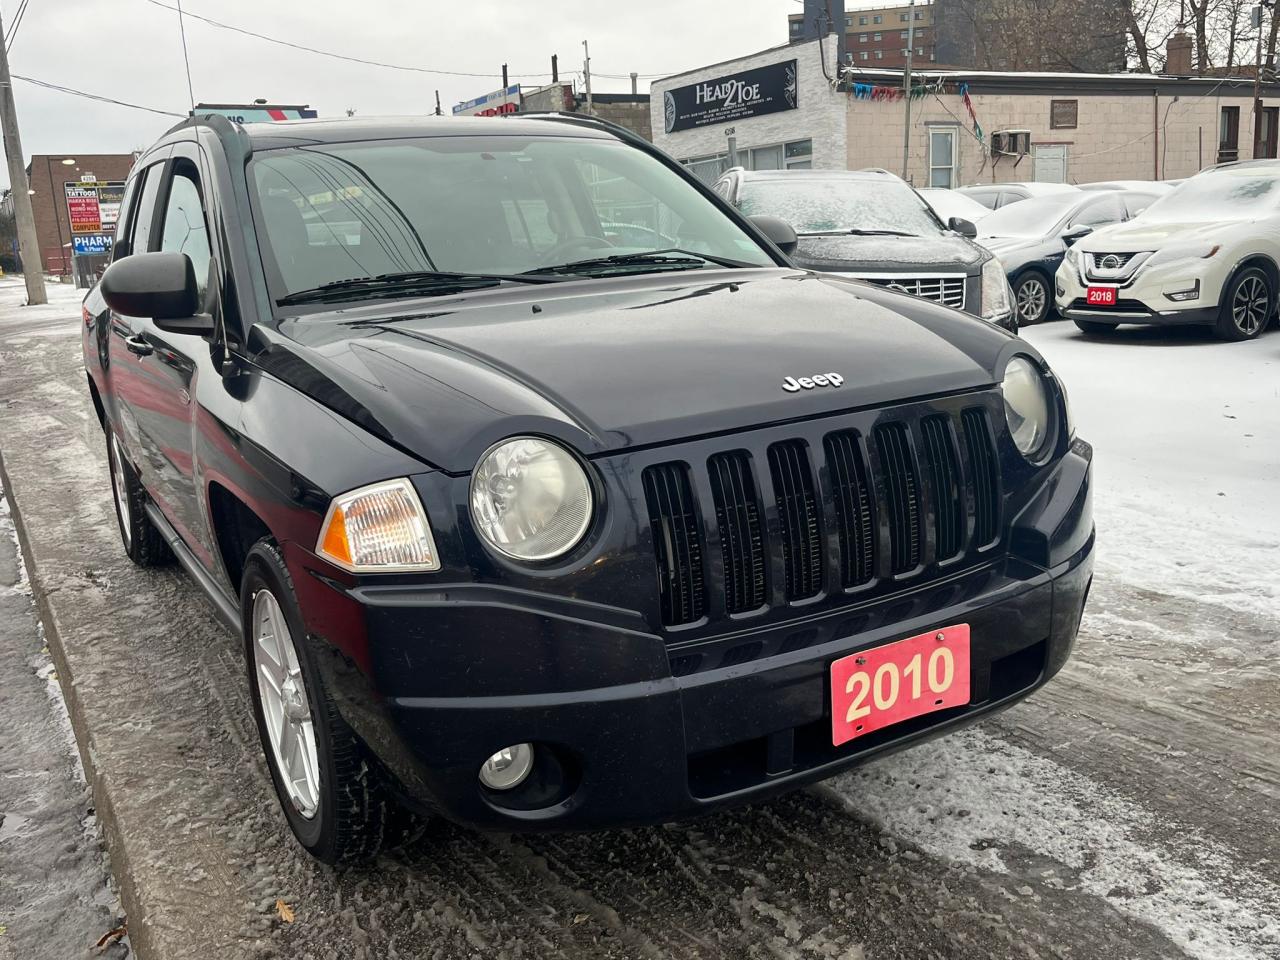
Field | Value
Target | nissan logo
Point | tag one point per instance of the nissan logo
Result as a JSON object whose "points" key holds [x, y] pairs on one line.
{"points": [[1110, 262]]}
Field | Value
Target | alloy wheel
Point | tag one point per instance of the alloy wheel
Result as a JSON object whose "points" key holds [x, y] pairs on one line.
{"points": [[1249, 305], [282, 693], [1031, 299], [120, 490]]}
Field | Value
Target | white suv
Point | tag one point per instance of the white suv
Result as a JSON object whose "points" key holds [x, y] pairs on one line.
{"points": [[1206, 253]]}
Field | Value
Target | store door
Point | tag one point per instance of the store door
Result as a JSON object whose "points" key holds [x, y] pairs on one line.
{"points": [[1050, 162], [1264, 144]]}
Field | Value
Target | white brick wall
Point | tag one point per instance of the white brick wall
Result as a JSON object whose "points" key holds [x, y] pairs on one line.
{"points": [[1114, 138], [820, 112]]}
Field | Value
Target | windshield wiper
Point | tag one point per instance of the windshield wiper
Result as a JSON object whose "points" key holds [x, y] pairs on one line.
{"points": [[673, 258], [859, 232], [393, 284]]}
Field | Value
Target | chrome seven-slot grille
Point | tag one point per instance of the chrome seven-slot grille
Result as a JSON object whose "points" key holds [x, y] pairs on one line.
{"points": [[902, 494], [948, 291]]}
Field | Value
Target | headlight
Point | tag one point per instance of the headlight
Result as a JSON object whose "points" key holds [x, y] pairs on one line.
{"points": [[1184, 251], [530, 499], [995, 290], [380, 528], [1026, 405]]}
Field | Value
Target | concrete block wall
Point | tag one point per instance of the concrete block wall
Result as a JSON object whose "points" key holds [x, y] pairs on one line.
{"points": [[1114, 139], [820, 112]]}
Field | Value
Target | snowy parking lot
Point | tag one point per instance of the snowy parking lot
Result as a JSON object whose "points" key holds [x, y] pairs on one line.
{"points": [[1128, 810]]}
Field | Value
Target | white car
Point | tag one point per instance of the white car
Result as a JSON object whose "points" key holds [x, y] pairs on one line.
{"points": [[951, 203], [1205, 253]]}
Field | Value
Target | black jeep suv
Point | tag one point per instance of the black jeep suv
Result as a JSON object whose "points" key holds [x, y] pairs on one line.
{"points": [[546, 493]]}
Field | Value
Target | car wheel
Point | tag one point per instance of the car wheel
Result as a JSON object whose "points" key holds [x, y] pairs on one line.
{"points": [[1247, 304], [1095, 328], [329, 786], [142, 541], [1031, 297]]}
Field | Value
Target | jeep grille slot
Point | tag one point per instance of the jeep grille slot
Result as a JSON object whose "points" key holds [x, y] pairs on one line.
{"points": [[677, 542], [741, 537], [797, 518], [853, 498], [949, 518], [897, 461], [985, 475]]}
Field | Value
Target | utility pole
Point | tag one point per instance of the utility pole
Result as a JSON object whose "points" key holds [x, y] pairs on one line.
{"points": [[586, 76], [906, 88], [1257, 83], [28, 243]]}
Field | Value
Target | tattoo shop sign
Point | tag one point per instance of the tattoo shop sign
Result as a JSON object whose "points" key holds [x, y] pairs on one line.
{"points": [[752, 93]]}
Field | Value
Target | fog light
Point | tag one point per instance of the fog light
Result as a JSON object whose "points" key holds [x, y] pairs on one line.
{"points": [[508, 767]]}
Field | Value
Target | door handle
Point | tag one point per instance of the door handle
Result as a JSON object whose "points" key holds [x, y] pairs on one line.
{"points": [[138, 346]]}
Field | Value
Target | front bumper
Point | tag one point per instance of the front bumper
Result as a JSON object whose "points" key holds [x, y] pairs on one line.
{"points": [[630, 730], [1146, 298]]}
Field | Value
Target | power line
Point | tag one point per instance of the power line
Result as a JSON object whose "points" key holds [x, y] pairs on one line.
{"points": [[330, 53], [13, 28], [93, 96], [376, 63], [186, 60]]}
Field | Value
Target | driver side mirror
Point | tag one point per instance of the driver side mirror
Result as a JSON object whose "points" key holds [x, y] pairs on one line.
{"points": [[1072, 234], [779, 231], [161, 286], [965, 228]]}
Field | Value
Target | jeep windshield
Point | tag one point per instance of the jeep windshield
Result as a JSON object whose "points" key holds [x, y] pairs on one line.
{"points": [[816, 205], [439, 215]]}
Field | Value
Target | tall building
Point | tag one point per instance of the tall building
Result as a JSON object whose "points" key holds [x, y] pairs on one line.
{"points": [[878, 36], [1060, 36]]}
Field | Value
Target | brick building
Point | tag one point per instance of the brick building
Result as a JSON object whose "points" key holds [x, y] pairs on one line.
{"points": [[630, 110], [1064, 127], [48, 175], [878, 36]]}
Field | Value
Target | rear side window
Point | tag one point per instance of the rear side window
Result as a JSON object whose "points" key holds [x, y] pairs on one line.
{"points": [[125, 221], [140, 241], [184, 223]]}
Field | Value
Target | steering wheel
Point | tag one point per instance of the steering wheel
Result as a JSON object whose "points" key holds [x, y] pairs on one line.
{"points": [[564, 247]]}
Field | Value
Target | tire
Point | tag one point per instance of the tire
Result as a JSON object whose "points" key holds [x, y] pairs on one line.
{"points": [[333, 795], [1031, 297], [142, 542], [1095, 328], [1248, 301]]}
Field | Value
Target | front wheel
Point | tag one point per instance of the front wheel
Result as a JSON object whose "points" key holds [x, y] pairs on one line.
{"points": [[1095, 328], [142, 541], [1248, 301], [331, 790], [1031, 297]]}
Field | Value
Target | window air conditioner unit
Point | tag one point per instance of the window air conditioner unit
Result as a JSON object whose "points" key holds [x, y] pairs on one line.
{"points": [[1011, 143]]}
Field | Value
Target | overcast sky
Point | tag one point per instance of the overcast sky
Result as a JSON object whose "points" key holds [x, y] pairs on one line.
{"points": [[131, 50]]}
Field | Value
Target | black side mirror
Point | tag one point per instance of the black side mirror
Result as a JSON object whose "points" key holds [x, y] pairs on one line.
{"points": [[965, 228], [779, 231], [159, 285], [1075, 233]]}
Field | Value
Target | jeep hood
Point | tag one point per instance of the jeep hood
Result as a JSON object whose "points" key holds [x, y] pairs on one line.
{"points": [[609, 364]]}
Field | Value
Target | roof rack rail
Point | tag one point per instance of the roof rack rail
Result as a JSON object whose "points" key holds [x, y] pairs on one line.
{"points": [[584, 120], [225, 129]]}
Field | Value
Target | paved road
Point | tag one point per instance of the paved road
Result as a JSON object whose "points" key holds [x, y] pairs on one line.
{"points": [[1127, 811]]}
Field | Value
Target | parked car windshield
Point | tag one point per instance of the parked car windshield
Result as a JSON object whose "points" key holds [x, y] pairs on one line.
{"points": [[840, 204], [1035, 217], [1230, 194], [491, 205]]}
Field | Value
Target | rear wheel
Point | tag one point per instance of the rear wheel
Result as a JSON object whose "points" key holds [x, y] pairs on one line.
{"points": [[331, 790], [1095, 328], [142, 541], [1031, 297], [1247, 304]]}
